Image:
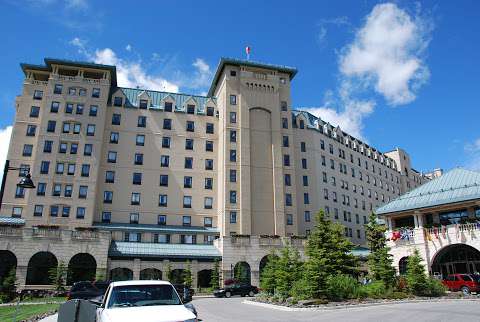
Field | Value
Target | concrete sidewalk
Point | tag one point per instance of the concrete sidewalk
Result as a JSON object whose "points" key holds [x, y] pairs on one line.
{"points": [[51, 318]]}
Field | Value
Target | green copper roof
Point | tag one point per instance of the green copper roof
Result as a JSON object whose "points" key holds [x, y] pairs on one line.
{"points": [[455, 186], [240, 62], [11, 221], [361, 252], [156, 99], [156, 228], [129, 249]]}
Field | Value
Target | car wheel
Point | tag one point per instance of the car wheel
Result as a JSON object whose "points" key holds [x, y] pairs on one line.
{"points": [[465, 290], [251, 294], [228, 294]]}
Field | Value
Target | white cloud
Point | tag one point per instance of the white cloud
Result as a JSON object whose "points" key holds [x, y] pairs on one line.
{"points": [[128, 47], [386, 55], [323, 29], [4, 143], [203, 74], [472, 152], [76, 4]]}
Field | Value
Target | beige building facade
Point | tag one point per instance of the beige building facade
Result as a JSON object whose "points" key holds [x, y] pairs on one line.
{"points": [[139, 182]]}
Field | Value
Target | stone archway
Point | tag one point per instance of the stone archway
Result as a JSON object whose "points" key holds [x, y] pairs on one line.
{"points": [[402, 265], [38, 269], [150, 274], [8, 261], [204, 277], [242, 272], [456, 259], [121, 274], [82, 267]]}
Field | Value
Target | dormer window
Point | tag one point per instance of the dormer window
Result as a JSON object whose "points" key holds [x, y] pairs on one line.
{"points": [[302, 124], [168, 106], [190, 109], [233, 73], [117, 101], [210, 111], [143, 104]]}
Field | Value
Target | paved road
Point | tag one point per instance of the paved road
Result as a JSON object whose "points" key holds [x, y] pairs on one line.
{"points": [[232, 310]]}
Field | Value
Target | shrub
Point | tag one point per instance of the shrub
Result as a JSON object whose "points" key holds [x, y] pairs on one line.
{"points": [[374, 290], [341, 287], [435, 288]]}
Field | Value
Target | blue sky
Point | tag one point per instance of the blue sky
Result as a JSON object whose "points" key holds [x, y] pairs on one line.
{"points": [[395, 74]]}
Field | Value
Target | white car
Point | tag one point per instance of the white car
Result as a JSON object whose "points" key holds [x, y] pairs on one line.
{"points": [[143, 301]]}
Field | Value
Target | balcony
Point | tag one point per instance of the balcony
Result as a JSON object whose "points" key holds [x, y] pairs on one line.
{"points": [[240, 240], [84, 234], [38, 232], [270, 241], [10, 231]]}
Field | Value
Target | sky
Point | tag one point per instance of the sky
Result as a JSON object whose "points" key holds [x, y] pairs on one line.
{"points": [[395, 74]]}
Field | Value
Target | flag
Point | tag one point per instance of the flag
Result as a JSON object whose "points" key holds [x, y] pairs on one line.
{"points": [[247, 51]]}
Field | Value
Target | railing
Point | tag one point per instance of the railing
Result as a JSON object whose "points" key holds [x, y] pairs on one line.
{"points": [[46, 233], [268, 241], [402, 236], [241, 240], [38, 82], [444, 231], [10, 231], [84, 234]]}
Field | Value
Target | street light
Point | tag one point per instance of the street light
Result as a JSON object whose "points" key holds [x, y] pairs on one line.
{"points": [[26, 181]]}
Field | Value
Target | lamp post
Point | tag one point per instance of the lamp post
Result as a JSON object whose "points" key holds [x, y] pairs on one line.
{"points": [[26, 181]]}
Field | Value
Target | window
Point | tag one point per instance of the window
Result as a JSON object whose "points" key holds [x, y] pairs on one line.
{"points": [[82, 192], [77, 127], [306, 215], [90, 129], [41, 187], [233, 155], [107, 196], [289, 219], [161, 238], [37, 95], [187, 201], [31, 129], [138, 159], [209, 183], [117, 101], [209, 128], [116, 119], [142, 121], [190, 126], [57, 189], [58, 89], [188, 163], [135, 199], [109, 176], [114, 137], [47, 146], [34, 111], [305, 181], [306, 199], [210, 111], [233, 136], [190, 109], [143, 104], [87, 149], [209, 146], [233, 217], [302, 124], [188, 144], [71, 169], [106, 217], [80, 108], [133, 237], [285, 142], [66, 127], [59, 168], [188, 239], [168, 107], [54, 107], [69, 108], [167, 124], [233, 175], [137, 178], [51, 126], [187, 220], [208, 203], [233, 73], [233, 117], [162, 220], [288, 199], [187, 182], [166, 142], [112, 157], [284, 123], [38, 211], [44, 165], [19, 192], [23, 170], [73, 148], [93, 110], [17, 212], [53, 211], [85, 170], [233, 99], [27, 150], [68, 191], [208, 164], [82, 92], [163, 180], [163, 200], [134, 217], [304, 163], [287, 179], [164, 161], [233, 197], [303, 147], [140, 140], [286, 160], [80, 212]]}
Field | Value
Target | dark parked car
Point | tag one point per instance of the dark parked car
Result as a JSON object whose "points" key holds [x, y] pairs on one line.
{"points": [[462, 282], [87, 290], [241, 289]]}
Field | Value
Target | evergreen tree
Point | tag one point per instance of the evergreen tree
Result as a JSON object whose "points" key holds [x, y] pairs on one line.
{"points": [[416, 277], [379, 260], [8, 286], [268, 280], [169, 273], [58, 276], [329, 253], [241, 273], [187, 275], [215, 278], [288, 269]]}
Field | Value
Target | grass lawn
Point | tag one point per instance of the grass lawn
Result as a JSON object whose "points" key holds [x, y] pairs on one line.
{"points": [[59, 299], [25, 311]]}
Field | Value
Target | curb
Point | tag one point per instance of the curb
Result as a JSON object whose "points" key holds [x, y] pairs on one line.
{"points": [[348, 306]]}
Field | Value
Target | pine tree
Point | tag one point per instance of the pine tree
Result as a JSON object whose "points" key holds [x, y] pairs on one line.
{"points": [[8, 286], [329, 253], [169, 273], [215, 278], [379, 260], [241, 273], [288, 270], [187, 275], [416, 277], [58, 276], [268, 280]]}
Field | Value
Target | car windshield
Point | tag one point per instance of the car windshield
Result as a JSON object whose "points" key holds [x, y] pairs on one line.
{"points": [[143, 295]]}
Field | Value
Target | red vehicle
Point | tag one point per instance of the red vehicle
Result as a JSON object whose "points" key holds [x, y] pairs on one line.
{"points": [[462, 282]]}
